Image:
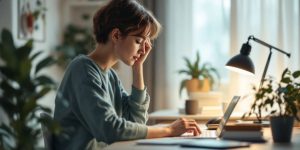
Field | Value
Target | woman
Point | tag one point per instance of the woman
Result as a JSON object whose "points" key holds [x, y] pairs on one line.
{"points": [[91, 104]]}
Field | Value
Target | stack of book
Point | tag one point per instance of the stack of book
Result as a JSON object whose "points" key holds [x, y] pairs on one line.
{"points": [[209, 102], [207, 98], [244, 132]]}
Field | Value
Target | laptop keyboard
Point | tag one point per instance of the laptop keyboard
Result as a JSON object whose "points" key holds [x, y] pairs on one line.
{"points": [[209, 133], [204, 134]]}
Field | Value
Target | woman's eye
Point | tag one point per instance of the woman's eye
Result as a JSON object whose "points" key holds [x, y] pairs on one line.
{"points": [[138, 41]]}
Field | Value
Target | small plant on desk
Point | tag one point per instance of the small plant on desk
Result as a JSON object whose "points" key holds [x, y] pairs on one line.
{"points": [[282, 101], [202, 77]]}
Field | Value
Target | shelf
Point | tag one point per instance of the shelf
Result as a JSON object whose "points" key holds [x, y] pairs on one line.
{"points": [[87, 3]]}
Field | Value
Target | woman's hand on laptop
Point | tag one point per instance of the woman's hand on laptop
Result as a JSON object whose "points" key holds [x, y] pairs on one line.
{"points": [[177, 128], [183, 125]]}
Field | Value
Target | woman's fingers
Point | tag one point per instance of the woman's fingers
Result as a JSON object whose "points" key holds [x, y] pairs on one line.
{"points": [[196, 129], [148, 44], [192, 125], [145, 51], [183, 125]]}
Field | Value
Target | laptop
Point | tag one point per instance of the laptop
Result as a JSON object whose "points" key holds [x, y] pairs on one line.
{"points": [[224, 119], [206, 134]]}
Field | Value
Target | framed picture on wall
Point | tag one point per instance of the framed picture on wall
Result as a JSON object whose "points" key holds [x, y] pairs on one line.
{"points": [[32, 20]]}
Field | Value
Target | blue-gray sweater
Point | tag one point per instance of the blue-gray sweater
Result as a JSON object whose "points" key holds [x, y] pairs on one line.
{"points": [[91, 104]]}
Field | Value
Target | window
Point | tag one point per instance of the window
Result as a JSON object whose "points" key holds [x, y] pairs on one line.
{"points": [[211, 32]]}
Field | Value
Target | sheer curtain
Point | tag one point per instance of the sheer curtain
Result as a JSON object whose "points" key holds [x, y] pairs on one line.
{"points": [[273, 21], [188, 26], [173, 41], [217, 29]]}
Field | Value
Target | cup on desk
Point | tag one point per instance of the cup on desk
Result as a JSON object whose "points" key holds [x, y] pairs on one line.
{"points": [[192, 107]]}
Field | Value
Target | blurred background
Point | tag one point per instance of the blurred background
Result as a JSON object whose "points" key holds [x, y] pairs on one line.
{"points": [[214, 28]]}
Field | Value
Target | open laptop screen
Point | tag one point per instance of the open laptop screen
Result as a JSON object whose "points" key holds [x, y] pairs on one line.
{"points": [[227, 114]]}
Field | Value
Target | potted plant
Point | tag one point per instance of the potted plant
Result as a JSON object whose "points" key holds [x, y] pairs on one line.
{"points": [[201, 77], [281, 100], [76, 40], [20, 89]]}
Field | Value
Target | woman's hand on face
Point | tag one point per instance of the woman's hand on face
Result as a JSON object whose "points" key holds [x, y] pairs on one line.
{"points": [[183, 125], [147, 46]]}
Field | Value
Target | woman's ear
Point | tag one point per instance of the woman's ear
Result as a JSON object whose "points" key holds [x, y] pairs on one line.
{"points": [[115, 35]]}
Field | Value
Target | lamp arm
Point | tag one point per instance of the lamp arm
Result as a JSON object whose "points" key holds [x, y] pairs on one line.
{"points": [[251, 37], [267, 45], [265, 69]]}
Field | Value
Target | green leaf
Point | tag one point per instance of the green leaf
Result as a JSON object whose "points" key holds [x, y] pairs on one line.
{"points": [[7, 72], [5, 130], [196, 64], [29, 106], [286, 80], [273, 112], [44, 109], [44, 63], [35, 55], [24, 68], [24, 51], [184, 71], [188, 63], [296, 74], [284, 73], [43, 80], [43, 92], [7, 49], [182, 86]]}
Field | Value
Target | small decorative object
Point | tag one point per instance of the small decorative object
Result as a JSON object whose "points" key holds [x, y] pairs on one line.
{"points": [[192, 107], [31, 19], [281, 100], [202, 78]]}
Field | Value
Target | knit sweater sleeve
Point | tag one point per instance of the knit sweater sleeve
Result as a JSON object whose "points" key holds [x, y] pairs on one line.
{"points": [[93, 108]]}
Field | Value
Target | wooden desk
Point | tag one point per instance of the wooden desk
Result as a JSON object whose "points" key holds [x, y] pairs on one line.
{"points": [[269, 145], [169, 115]]}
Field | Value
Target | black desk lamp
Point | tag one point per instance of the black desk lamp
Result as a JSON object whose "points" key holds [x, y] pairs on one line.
{"points": [[242, 62]]}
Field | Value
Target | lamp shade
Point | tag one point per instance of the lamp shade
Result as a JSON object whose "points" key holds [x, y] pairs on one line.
{"points": [[242, 63]]}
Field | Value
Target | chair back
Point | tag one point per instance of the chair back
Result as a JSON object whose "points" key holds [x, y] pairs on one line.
{"points": [[47, 134]]}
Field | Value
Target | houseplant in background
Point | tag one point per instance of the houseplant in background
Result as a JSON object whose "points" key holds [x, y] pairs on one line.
{"points": [[201, 77], [76, 40], [281, 100], [21, 86]]}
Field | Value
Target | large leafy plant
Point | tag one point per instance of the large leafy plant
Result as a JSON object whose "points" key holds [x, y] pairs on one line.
{"points": [[197, 71], [278, 98], [21, 87]]}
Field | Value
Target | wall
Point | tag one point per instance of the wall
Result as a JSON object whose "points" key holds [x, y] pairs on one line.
{"points": [[55, 16], [5, 14], [8, 16]]}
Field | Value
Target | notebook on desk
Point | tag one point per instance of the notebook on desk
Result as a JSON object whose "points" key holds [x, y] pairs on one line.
{"points": [[206, 134]]}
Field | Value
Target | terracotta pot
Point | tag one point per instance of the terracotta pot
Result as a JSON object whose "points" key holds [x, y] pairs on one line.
{"points": [[205, 85], [196, 85]]}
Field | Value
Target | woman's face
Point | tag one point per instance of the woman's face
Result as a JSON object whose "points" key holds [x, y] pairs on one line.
{"points": [[130, 48]]}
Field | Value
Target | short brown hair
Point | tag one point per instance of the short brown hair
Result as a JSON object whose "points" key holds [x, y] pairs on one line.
{"points": [[127, 16]]}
